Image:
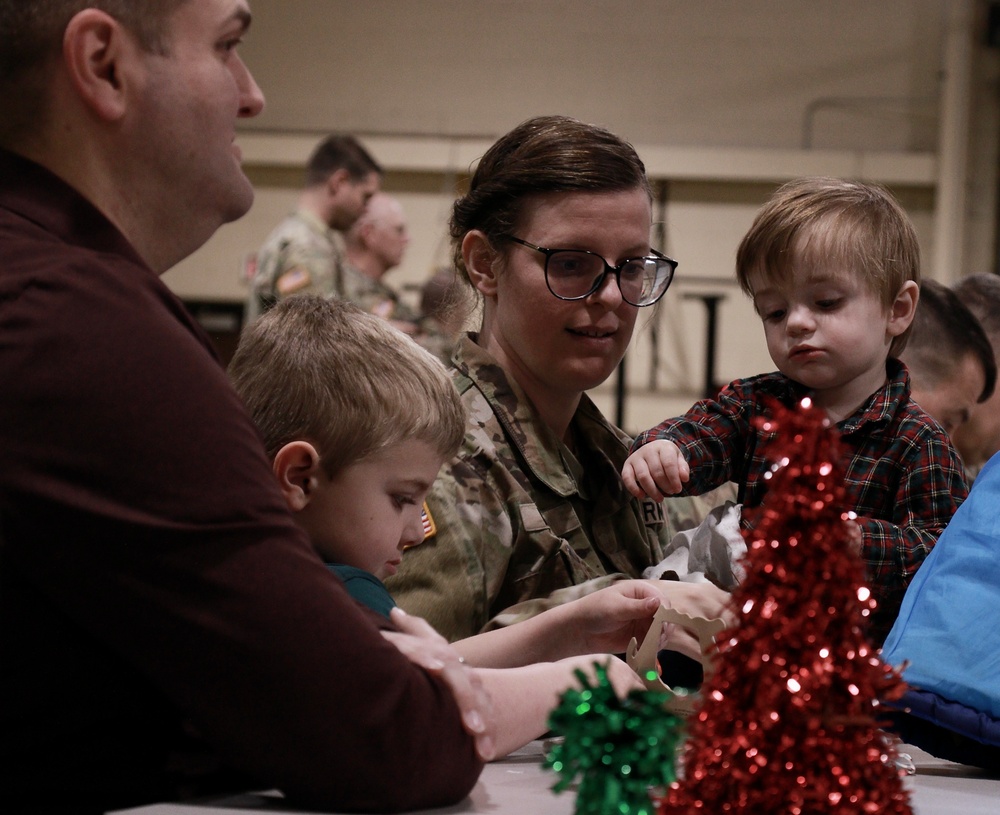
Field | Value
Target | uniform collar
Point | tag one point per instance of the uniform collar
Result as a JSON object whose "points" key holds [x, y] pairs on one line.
{"points": [[314, 222], [543, 452]]}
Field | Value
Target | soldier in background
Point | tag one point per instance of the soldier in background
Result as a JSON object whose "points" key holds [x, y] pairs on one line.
{"points": [[373, 246], [979, 438], [304, 253], [949, 358], [445, 306]]}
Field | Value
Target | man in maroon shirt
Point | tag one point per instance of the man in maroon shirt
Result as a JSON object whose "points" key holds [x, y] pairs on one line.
{"points": [[165, 628]]}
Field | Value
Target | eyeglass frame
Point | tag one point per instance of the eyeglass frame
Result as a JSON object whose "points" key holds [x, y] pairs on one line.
{"points": [[608, 269]]}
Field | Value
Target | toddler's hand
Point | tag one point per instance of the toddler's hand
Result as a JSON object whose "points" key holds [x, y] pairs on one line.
{"points": [[854, 539], [656, 470]]}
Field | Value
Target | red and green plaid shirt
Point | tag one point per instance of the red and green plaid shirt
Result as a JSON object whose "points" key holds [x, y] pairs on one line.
{"points": [[903, 475]]}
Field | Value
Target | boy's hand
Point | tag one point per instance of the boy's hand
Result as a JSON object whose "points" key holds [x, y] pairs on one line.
{"points": [[608, 619], [423, 646], [656, 470], [622, 678]]}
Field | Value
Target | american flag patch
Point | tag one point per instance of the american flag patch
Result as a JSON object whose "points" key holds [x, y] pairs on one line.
{"points": [[427, 522], [293, 280], [430, 529]]}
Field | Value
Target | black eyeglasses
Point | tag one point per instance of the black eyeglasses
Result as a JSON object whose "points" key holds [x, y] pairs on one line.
{"points": [[574, 274]]}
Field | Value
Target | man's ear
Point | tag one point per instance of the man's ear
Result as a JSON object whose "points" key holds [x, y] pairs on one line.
{"points": [[481, 262], [903, 308], [297, 468], [336, 180], [364, 235], [96, 52]]}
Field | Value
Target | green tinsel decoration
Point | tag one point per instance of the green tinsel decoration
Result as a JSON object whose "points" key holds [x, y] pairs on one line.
{"points": [[621, 748]]}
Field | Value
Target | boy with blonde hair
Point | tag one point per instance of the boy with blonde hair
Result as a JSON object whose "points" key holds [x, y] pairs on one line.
{"points": [[338, 398], [357, 420], [833, 269]]}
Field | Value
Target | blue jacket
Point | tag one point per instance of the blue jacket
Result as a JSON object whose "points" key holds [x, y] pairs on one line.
{"points": [[947, 635]]}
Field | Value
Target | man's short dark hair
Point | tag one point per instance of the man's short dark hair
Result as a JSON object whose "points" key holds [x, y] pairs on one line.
{"points": [[944, 331], [340, 153], [981, 293]]}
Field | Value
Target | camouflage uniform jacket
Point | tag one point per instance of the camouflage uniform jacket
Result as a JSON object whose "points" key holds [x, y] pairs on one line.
{"points": [[516, 518], [302, 254], [373, 296]]}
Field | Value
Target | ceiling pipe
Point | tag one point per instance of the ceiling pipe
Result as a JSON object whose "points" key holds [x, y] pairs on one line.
{"points": [[948, 258]]}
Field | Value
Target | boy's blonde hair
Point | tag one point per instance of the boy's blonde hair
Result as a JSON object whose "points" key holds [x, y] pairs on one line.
{"points": [[810, 222], [326, 372]]}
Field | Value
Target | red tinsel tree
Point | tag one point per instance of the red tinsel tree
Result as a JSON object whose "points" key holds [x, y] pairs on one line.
{"points": [[788, 720]]}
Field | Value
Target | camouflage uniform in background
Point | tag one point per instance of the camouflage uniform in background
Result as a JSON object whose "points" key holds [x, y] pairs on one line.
{"points": [[377, 298], [302, 254], [519, 522], [374, 296]]}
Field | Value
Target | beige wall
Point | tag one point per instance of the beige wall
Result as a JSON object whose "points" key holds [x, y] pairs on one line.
{"points": [[722, 98]]}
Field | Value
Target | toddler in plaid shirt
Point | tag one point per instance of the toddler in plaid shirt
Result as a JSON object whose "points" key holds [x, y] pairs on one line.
{"points": [[833, 269]]}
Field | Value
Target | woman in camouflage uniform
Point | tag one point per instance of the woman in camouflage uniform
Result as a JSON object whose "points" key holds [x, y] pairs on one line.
{"points": [[554, 236]]}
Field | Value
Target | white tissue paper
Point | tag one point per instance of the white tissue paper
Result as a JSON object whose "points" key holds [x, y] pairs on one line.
{"points": [[713, 550]]}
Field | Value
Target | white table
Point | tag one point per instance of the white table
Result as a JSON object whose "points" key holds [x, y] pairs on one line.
{"points": [[519, 786]]}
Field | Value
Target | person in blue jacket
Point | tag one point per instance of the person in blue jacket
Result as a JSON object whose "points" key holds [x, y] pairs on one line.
{"points": [[946, 638]]}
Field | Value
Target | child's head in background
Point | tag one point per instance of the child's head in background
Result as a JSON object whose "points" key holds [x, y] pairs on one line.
{"points": [[357, 419]]}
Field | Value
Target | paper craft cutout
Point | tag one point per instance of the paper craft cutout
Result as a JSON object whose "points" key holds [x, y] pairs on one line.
{"points": [[642, 659]]}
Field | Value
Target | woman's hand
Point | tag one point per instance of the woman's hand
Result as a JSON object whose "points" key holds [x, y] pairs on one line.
{"points": [[705, 600]]}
